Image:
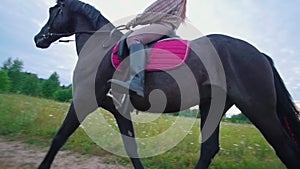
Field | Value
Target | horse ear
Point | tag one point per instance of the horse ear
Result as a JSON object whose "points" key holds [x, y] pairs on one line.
{"points": [[60, 2], [64, 1]]}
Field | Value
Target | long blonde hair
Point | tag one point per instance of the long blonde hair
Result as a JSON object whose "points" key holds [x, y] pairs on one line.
{"points": [[183, 15]]}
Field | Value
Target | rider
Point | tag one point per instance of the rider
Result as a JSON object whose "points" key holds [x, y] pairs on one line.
{"points": [[163, 17]]}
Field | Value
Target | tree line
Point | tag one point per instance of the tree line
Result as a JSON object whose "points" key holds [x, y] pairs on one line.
{"points": [[14, 80], [195, 113]]}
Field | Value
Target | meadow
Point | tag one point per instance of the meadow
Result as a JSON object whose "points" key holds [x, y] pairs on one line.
{"points": [[35, 121]]}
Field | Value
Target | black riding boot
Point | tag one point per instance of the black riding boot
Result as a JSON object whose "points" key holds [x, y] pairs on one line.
{"points": [[137, 61]]}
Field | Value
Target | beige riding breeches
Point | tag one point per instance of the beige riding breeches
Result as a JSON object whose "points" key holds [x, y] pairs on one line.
{"points": [[149, 33]]}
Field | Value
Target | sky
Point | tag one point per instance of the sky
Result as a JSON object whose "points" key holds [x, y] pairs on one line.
{"points": [[272, 26]]}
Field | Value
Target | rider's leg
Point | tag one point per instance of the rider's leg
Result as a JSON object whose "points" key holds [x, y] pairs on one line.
{"points": [[149, 34], [136, 42]]}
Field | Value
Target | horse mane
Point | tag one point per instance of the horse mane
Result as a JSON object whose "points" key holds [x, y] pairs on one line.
{"points": [[92, 14]]}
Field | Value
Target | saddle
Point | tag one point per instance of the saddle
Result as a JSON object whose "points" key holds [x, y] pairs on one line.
{"points": [[167, 53]]}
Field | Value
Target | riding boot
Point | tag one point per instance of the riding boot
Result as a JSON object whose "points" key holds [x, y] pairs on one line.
{"points": [[137, 62]]}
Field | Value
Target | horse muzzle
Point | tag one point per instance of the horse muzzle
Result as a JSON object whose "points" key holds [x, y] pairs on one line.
{"points": [[41, 41]]}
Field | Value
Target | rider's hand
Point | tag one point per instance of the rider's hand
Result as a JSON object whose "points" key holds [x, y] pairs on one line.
{"points": [[128, 25]]}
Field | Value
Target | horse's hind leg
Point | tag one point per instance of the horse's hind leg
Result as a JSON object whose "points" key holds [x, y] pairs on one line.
{"points": [[263, 116], [69, 125], [254, 94], [210, 147], [259, 105]]}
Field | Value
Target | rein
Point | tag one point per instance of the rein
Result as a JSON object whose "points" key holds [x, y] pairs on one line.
{"points": [[49, 34], [69, 34]]}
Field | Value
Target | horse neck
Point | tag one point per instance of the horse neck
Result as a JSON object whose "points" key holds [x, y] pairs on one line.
{"points": [[84, 25]]}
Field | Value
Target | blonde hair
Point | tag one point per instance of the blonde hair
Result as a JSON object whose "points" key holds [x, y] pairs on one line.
{"points": [[183, 15]]}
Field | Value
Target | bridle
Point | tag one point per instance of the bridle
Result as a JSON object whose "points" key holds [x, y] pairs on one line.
{"points": [[49, 34]]}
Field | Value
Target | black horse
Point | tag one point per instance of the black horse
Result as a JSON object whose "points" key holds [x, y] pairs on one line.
{"points": [[251, 82]]}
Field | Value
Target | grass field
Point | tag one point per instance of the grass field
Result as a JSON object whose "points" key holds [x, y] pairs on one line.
{"points": [[35, 121]]}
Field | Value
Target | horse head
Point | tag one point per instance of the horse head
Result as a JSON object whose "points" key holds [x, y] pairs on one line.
{"points": [[58, 25]]}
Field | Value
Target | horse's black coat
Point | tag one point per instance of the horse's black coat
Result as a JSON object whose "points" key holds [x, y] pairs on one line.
{"points": [[252, 84]]}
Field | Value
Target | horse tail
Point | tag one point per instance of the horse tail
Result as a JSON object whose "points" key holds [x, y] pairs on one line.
{"points": [[286, 109]]}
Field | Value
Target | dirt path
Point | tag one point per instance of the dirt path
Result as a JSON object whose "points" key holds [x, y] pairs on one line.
{"points": [[17, 155]]}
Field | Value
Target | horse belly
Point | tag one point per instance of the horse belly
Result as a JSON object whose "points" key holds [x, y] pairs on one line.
{"points": [[168, 92]]}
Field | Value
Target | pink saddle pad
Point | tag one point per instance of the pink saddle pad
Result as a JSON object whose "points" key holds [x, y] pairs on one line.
{"points": [[165, 55]]}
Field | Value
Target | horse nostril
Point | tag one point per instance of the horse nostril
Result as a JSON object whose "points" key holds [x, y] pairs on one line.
{"points": [[38, 39]]}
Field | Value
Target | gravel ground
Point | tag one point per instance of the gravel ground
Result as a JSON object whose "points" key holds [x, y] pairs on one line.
{"points": [[17, 155]]}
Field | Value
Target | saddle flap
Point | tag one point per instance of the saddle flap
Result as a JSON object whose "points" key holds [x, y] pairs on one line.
{"points": [[168, 54], [164, 55]]}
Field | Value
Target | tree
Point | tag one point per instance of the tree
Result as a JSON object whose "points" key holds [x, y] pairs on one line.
{"points": [[30, 84], [64, 94], [239, 118], [188, 113], [50, 85], [14, 70], [7, 64], [4, 81]]}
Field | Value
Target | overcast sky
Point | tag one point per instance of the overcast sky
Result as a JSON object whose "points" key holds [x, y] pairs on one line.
{"points": [[270, 25]]}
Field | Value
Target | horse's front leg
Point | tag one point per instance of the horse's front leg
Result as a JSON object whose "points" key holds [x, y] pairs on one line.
{"points": [[209, 147], [127, 131], [128, 136], [69, 125]]}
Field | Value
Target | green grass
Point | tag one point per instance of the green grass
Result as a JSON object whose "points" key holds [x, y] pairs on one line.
{"points": [[35, 121]]}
